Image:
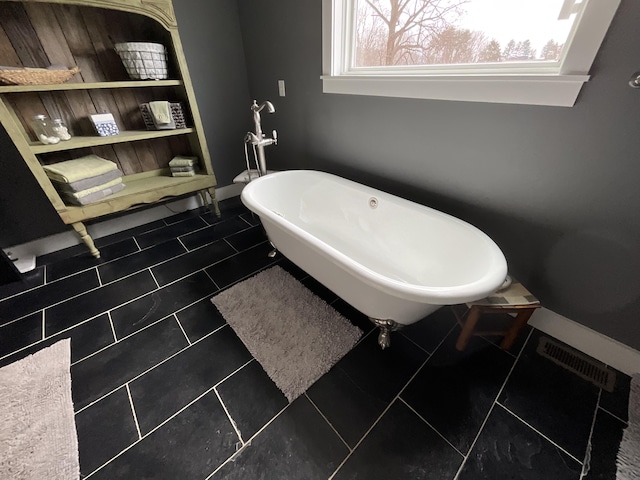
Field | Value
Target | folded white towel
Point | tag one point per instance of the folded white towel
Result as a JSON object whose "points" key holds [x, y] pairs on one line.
{"points": [[161, 112], [73, 170]]}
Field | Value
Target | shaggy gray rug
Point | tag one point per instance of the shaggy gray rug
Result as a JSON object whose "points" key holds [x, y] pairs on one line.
{"points": [[37, 426], [629, 452], [293, 334]]}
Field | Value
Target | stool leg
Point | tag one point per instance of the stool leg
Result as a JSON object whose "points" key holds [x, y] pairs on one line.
{"points": [[214, 202], [86, 238], [467, 329], [518, 324]]}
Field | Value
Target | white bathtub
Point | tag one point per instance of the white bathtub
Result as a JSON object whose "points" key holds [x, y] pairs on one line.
{"points": [[390, 258]]}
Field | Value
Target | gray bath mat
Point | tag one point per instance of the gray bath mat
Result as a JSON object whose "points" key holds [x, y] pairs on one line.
{"points": [[629, 452], [293, 334], [37, 426]]}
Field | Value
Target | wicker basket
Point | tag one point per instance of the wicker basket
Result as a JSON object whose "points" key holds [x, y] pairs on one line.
{"points": [[143, 60], [177, 114], [35, 76]]}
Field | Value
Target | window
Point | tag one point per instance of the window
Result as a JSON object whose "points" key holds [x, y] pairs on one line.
{"points": [[508, 51]]}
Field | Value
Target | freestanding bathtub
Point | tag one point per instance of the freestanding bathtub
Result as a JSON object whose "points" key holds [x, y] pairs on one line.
{"points": [[394, 260]]}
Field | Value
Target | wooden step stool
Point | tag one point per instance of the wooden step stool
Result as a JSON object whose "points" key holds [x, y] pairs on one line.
{"points": [[513, 299]]}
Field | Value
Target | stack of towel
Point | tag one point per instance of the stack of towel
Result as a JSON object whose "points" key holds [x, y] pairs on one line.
{"points": [[183, 166], [85, 180]]}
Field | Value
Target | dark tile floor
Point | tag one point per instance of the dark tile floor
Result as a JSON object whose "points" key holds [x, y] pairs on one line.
{"points": [[163, 388]]}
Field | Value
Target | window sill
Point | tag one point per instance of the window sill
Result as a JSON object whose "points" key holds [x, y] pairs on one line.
{"points": [[553, 90]]}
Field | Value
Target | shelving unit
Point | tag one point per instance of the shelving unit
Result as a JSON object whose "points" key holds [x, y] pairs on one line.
{"points": [[38, 33]]}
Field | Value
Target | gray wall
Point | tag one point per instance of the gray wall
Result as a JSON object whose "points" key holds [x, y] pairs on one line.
{"points": [[556, 188], [210, 33]]}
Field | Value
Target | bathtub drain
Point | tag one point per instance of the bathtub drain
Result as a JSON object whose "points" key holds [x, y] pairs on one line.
{"points": [[373, 202]]}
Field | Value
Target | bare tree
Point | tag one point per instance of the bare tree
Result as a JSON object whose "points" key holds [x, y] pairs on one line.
{"points": [[410, 25]]}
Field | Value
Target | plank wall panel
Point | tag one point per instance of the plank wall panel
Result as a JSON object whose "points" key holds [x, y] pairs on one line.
{"points": [[21, 35]]}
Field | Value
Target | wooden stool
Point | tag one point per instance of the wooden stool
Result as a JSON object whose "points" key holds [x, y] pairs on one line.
{"points": [[513, 299]]}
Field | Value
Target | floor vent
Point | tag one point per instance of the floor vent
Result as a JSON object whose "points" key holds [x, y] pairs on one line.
{"points": [[578, 363]]}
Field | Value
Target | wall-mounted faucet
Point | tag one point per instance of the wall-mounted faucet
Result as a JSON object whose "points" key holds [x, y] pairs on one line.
{"points": [[258, 139]]}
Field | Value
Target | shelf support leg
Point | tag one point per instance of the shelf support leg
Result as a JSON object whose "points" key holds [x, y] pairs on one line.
{"points": [[214, 201], [86, 238], [203, 195]]}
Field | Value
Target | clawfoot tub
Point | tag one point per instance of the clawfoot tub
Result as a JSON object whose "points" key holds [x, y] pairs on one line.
{"points": [[394, 260]]}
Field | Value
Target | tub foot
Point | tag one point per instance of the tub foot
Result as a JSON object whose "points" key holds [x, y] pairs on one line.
{"points": [[273, 252], [386, 327]]}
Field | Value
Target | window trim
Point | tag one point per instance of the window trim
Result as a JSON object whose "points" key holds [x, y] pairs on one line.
{"points": [[521, 85]]}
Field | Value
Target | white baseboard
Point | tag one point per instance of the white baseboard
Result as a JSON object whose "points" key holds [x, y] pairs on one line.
{"points": [[603, 348], [133, 219]]}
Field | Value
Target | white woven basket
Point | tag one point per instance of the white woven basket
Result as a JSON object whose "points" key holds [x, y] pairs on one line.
{"points": [[143, 60]]}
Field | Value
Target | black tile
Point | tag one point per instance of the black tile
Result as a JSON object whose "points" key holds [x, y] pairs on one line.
{"points": [[21, 333], [139, 261], [126, 234], [241, 265], [507, 449], [86, 338], [90, 304], [28, 280], [163, 302], [401, 446], [454, 391], [356, 317], [191, 262], [105, 429], [294, 270], [251, 398], [251, 218], [247, 238], [189, 446], [169, 232], [49, 294], [200, 319], [605, 441], [63, 254], [107, 370], [298, 444], [617, 402], [179, 217], [354, 393], [552, 400], [319, 289], [430, 331], [214, 232], [163, 391], [69, 266]]}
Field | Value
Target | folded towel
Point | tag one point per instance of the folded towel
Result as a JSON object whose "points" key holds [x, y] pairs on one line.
{"points": [[181, 161], [161, 112], [183, 174], [93, 197], [183, 169], [79, 169], [87, 182], [89, 191]]}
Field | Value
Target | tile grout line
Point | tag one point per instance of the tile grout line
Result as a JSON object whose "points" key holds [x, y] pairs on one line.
{"points": [[99, 278], [137, 244], [383, 413], [113, 330], [431, 426], [162, 423], [247, 443], [513, 366], [613, 415], [327, 420], [133, 410], [538, 432], [229, 243], [586, 463], [44, 330], [148, 369], [154, 279], [182, 243], [181, 328], [233, 422]]}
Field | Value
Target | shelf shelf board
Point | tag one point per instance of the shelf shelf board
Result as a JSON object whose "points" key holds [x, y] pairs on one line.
{"points": [[140, 189], [89, 86], [122, 137]]}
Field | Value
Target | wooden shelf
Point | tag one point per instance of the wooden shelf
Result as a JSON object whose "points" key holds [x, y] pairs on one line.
{"points": [[122, 137], [140, 189], [89, 86]]}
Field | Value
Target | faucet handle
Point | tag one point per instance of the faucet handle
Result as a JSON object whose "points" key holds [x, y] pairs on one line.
{"points": [[275, 137]]}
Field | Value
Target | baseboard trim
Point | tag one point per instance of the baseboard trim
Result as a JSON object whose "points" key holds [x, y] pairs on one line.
{"points": [[609, 351], [59, 241]]}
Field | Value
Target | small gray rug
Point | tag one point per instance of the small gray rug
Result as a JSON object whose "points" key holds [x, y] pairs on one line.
{"points": [[293, 334], [37, 428], [629, 452]]}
